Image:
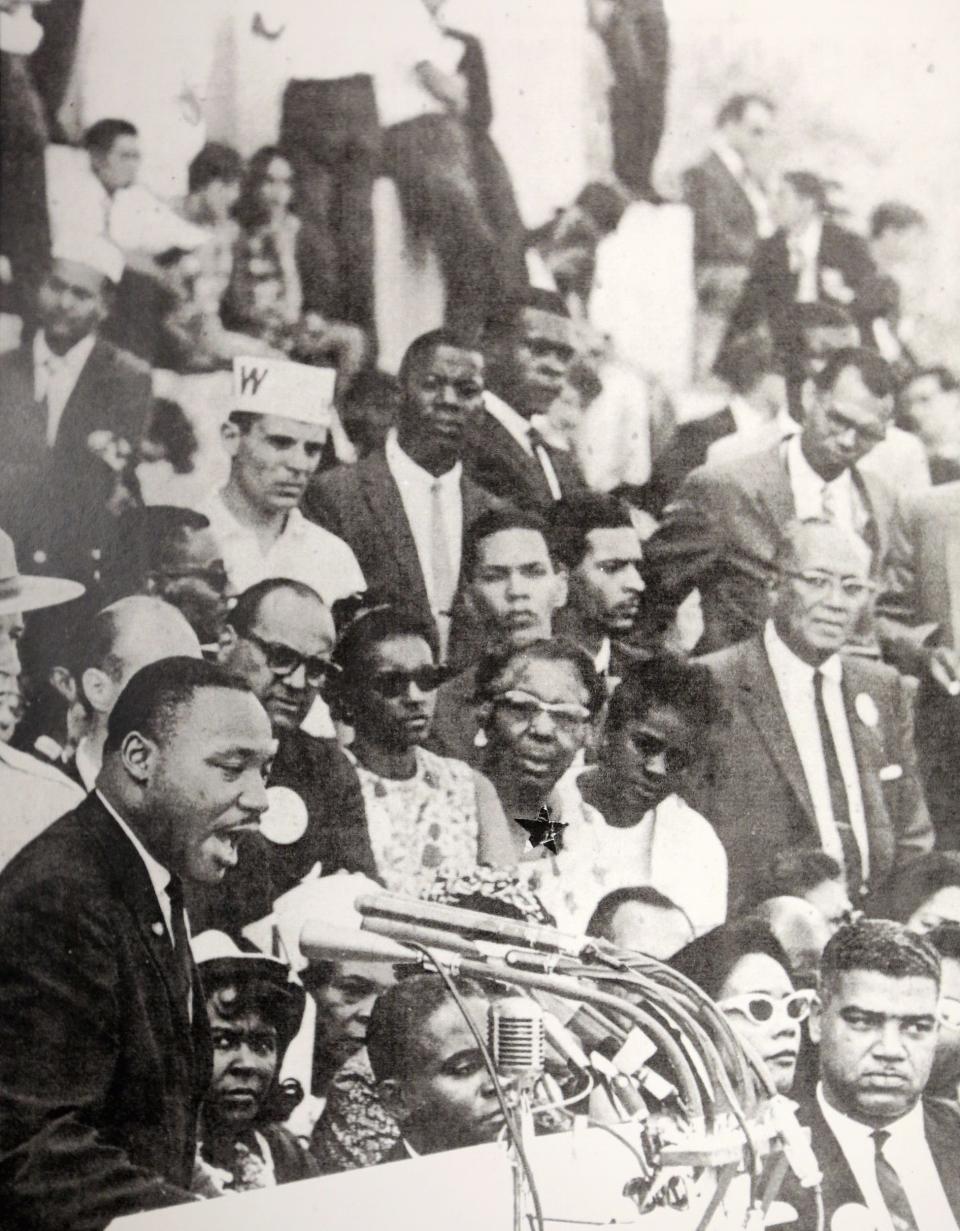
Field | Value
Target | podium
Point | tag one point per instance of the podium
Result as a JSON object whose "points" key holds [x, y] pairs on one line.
{"points": [[581, 1176]]}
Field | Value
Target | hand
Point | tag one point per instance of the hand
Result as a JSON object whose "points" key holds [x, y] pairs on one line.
{"points": [[944, 667]]}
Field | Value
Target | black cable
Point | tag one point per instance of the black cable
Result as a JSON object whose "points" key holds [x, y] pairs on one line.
{"points": [[511, 1127]]}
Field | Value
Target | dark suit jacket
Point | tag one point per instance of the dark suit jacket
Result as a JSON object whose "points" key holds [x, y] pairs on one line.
{"points": [[495, 461], [771, 289], [721, 534], [686, 451], [942, 1130], [362, 505], [336, 838], [101, 1071], [753, 790], [725, 226], [113, 393]]}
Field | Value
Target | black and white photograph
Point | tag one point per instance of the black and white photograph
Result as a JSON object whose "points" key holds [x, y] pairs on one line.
{"points": [[479, 615]]}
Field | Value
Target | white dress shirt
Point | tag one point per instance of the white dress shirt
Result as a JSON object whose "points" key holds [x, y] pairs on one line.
{"points": [[519, 429], [838, 500], [302, 551], [34, 795], [907, 1152], [752, 190], [417, 494], [55, 377], [795, 684], [803, 251]]}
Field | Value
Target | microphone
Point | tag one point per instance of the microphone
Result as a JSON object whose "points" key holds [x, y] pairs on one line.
{"points": [[325, 942], [516, 1036]]}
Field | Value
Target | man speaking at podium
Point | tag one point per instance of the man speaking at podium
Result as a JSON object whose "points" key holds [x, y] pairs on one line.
{"points": [[104, 1043]]}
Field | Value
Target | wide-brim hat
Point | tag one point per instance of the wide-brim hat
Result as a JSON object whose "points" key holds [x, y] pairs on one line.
{"points": [[220, 960], [25, 592]]}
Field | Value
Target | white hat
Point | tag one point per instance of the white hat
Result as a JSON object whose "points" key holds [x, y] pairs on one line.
{"points": [[92, 250], [279, 387], [19, 592]]}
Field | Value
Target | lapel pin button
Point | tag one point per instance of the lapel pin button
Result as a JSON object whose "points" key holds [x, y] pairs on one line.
{"points": [[157, 928]]}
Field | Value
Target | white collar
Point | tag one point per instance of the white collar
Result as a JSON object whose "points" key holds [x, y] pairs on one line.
{"points": [[293, 522], [785, 663], [602, 658], [807, 241], [160, 877], [74, 358], [87, 767], [804, 475], [507, 417], [403, 466], [729, 157], [907, 1126]]}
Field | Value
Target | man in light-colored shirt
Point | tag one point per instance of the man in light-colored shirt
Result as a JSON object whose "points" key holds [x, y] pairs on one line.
{"points": [[275, 436], [879, 1143]]}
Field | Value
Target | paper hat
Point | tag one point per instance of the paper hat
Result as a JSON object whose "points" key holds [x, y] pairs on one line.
{"points": [[26, 593], [92, 250], [279, 387]]}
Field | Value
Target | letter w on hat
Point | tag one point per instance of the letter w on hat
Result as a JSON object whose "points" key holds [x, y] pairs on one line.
{"points": [[279, 387]]}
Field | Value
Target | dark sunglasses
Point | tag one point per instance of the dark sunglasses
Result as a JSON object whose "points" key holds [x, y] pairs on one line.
{"points": [[393, 684], [283, 660]]}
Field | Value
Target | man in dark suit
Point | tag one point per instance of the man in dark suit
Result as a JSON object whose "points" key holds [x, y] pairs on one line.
{"points": [[919, 624], [99, 984], [529, 351], [817, 750], [757, 397], [72, 407], [809, 258], [279, 640], [888, 1155], [722, 531], [404, 510]]}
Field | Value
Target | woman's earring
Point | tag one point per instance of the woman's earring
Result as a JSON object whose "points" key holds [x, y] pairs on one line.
{"points": [[480, 739]]}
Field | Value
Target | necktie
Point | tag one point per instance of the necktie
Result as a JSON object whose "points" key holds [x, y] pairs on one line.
{"points": [[444, 578], [829, 503], [894, 1197], [183, 962], [538, 445], [838, 793]]}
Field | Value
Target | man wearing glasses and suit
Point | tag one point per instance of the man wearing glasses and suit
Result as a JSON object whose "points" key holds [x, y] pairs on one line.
{"points": [[818, 749]]}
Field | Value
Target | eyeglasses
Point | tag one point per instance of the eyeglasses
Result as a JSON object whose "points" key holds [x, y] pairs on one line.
{"points": [[949, 1013], [523, 707], [284, 660], [822, 584], [760, 1008], [215, 577], [393, 684]]}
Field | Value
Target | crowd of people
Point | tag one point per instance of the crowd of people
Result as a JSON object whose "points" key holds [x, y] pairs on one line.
{"points": [[417, 608]]}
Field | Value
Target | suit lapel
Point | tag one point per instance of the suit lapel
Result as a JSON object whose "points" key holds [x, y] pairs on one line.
{"points": [[869, 754], [758, 693], [773, 493], [134, 886], [383, 499], [940, 1127], [497, 440], [87, 394], [839, 1186]]}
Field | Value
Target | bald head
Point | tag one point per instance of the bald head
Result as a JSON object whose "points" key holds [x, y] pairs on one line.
{"points": [[122, 638], [802, 931]]}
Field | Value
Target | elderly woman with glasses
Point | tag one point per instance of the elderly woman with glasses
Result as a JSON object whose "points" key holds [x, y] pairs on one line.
{"points": [[426, 815], [742, 966]]}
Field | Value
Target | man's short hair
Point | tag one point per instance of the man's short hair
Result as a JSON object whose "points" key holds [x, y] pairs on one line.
{"points": [[601, 921], [874, 370], [894, 216], [154, 694], [878, 945], [666, 679], [946, 940], [398, 1018], [747, 360], [709, 959], [573, 518], [497, 521], [793, 873], [795, 529], [425, 347], [917, 881], [214, 162], [558, 649], [99, 137], [946, 379], [507, 322], [735, 108], [246, 609], [810, 186]]}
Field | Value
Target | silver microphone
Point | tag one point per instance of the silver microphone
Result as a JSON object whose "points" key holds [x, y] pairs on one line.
{"points": [[516, 1037]]}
